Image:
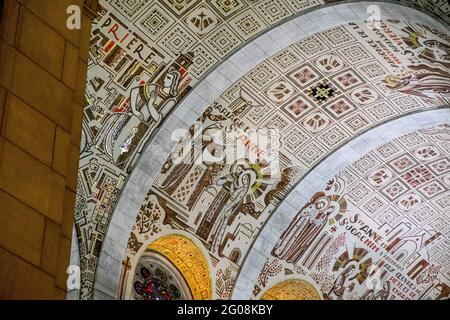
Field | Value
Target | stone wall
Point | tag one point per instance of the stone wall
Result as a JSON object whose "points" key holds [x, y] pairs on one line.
{"points": [[43, 68]]}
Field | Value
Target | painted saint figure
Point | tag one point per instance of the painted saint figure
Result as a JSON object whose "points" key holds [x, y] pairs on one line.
{"points": [[155, 101], [240, 182], [342, 284], [306, 226], [382, 294], [203, 140], [430, 45]]}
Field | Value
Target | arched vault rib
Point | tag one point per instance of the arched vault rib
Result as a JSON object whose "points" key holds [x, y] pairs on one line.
{"points": [[136, 193], [317, 180]]}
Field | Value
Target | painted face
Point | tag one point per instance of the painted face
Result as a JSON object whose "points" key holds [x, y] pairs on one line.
{"points": [[239, 170], [212, 136], [350, 271], [330, 210], [168, 80], [353, 269]]}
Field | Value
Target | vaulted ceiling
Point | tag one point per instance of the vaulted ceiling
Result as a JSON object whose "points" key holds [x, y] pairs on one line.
{"points": [[310, 90]]}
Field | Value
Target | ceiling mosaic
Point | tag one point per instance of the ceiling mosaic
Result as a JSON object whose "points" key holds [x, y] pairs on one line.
{"points": [[379, 230], [315, 95], [145, 56]]}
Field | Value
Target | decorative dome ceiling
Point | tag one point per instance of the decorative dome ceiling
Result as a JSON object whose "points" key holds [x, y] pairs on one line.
{"points": [[311, 94]]}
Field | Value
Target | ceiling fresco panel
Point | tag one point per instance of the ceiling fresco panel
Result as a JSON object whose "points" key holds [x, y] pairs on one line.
{"points": [[225, 204]]}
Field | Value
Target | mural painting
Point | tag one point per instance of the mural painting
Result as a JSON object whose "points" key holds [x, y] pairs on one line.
{"points": [[313, 96]]}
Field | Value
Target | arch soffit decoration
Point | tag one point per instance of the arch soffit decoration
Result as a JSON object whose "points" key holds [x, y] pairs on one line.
{"points": [[292, 289]]}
